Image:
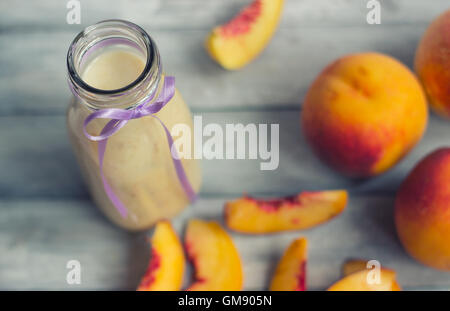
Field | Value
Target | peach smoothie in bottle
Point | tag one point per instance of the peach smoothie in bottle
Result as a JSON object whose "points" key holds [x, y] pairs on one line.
{"points": [[115, 64]]}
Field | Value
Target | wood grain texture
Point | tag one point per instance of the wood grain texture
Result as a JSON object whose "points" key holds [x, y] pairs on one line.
{"points": [[195, 14], [279, 78], [311, 34], [37, 160], [38, 237], [46, 217]]}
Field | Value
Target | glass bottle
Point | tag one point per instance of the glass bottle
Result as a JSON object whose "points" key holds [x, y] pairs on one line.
{"points": [[115, 64]]}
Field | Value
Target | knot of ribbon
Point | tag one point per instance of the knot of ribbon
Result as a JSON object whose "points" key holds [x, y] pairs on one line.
{"points": [[118, 119]]}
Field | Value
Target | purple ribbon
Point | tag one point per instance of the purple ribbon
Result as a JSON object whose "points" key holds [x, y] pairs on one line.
{"points": [[120, 117]]}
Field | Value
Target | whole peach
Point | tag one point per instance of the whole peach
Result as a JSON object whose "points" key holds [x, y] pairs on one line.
{"points": [[422, 211], [363, 113], [432, 64]]}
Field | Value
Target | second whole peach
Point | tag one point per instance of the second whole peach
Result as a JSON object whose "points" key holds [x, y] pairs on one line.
{"points": [[363, 113]]}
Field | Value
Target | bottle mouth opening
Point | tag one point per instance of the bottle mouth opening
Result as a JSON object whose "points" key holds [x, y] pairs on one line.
{"points": [[94, 39]]}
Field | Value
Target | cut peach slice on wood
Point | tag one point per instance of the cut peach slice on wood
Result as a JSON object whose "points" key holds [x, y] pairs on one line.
{"points": [[308, 209], [166, 267], [290, 274], [215, 258], [366, 280], [239, 41], [356, 265]]}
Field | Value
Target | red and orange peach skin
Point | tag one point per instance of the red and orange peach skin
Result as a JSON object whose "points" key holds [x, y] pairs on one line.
{"points": [[236, 43], [302, 211], [166, 268], [363, 113], [422, 211], [432, 64], [290, 274], [215, 258]]}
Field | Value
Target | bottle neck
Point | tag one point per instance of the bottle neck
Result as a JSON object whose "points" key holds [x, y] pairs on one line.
{"points": [[95, 40]]}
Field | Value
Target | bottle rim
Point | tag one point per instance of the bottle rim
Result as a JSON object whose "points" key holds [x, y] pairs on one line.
{"points": [[100, 35]]}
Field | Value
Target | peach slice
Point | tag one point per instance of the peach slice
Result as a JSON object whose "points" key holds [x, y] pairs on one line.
{"points": [[214, 256], [302, 211], [355, 265], [359, 281], [166, 267], [290, 274], [239, 41]]}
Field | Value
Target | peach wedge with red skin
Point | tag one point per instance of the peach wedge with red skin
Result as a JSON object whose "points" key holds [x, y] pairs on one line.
{"points": [[239, 41], [355, 265], [166, 268], [290, 274], [302, 211], [359, 281], [215, 258]]}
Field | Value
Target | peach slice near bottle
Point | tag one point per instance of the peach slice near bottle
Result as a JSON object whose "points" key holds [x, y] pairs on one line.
{"points": [[215, 258], [355, 265], [363, 281], [302, 211], [290, 274], [166, 268], [236, 43]]}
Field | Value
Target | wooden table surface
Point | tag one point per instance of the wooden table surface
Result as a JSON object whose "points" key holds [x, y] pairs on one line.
{"points": [[46, 216]]}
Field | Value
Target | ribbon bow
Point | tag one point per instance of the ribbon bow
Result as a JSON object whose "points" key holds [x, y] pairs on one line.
{"points": [[120, 117]]}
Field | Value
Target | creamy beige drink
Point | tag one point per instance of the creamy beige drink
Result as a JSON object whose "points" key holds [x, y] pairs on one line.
{"points": [[113, 69], [138, 163]]}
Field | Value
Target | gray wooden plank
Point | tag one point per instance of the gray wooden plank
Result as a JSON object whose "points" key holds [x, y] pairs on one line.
{"points": [[45, 218], [33, 73], [38, 237], [182, 14], [36, 160]]}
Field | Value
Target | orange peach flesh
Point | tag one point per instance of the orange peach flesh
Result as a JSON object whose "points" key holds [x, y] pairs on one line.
{"points": [[290, 274], [239, 41], [166, 267], [363, 113], [215, 258], [355, 265], [422, 211], [308, 209], [432, 64], [362, 281]]}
